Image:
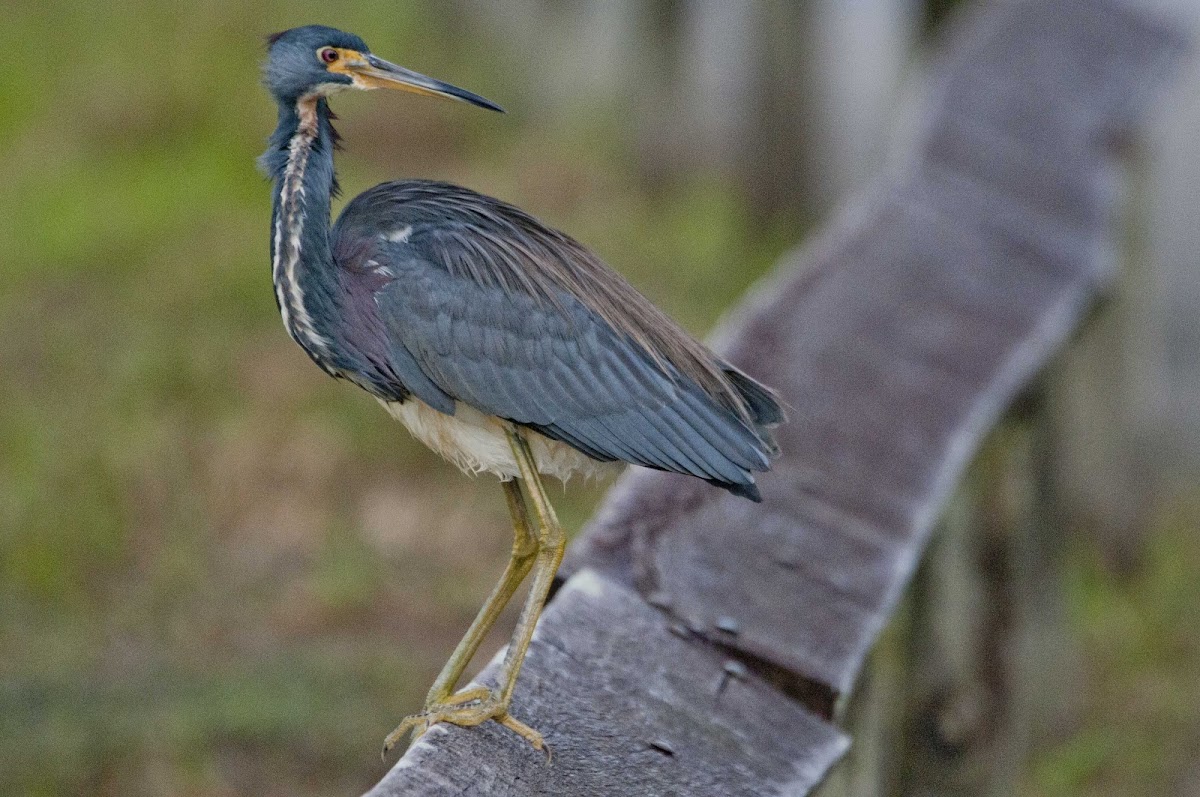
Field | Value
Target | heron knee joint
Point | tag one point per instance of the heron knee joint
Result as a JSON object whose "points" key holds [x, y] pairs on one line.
{"points": [[525, 548]]}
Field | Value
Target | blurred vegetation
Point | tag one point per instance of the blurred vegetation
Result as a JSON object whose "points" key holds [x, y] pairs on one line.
{"points": [[1139, 732], [223, 573]]}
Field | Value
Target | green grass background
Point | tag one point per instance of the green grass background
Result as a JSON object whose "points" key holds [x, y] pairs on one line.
{"points": [[222, 573]]}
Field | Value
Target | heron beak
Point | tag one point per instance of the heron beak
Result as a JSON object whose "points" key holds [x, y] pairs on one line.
{"points": [[371, 72]]}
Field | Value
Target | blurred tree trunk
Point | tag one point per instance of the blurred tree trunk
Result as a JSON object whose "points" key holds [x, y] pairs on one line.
{"points": [[790, 102], [1166, 303], [1130, 390], [578, 53]]}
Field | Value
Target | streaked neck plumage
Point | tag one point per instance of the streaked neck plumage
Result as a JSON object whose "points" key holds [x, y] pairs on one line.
{"points": [[299, 161]]}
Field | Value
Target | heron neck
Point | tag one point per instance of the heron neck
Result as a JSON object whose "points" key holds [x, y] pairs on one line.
{"points": [[300, 163]]}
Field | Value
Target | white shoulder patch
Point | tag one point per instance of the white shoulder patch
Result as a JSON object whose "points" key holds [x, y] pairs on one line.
{"points": [[399, 236]]}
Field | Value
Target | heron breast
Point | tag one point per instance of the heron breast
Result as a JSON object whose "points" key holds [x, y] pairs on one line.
{"points": [[477, 443]]}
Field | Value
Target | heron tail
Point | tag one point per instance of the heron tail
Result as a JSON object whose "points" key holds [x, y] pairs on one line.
{"points": [[762, 404]]}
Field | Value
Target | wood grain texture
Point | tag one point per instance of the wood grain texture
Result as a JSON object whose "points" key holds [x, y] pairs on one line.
{"points": [[627, 707], [897, 338]]}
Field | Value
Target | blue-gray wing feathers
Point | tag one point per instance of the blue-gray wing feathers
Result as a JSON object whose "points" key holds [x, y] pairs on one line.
{"points": [[541, 357]]}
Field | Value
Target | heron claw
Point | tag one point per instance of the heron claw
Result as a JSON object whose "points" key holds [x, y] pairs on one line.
{"points": [[467, 708]]}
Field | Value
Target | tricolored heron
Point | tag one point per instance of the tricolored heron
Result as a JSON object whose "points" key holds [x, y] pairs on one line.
{"points": [[502, 344]]}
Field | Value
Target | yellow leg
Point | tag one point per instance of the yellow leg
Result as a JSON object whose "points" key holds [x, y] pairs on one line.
{"points": [[544, 554], [525, 546], [551, 544]]}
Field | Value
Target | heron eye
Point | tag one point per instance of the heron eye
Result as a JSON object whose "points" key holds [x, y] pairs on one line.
{"points": [[327, 54]]}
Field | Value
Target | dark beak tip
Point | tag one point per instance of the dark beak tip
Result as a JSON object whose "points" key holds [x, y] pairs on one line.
{"points": [[480, 102]]}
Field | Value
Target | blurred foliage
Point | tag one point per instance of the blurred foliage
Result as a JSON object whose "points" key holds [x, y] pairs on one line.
{"points": [[223, 573], [1141, 722]]}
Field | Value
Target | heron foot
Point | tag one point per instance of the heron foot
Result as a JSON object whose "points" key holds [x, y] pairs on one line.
{"points": [[466, 708]]}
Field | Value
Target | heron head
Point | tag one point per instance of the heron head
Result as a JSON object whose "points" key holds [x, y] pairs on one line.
{"points": [[317, 61]]}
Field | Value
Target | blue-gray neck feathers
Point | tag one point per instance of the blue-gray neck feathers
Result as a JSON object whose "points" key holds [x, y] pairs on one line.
{"points": [[299, 161]]}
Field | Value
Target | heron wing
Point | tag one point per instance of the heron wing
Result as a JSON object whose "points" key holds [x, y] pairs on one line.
{"points": [[499, 312], [560, 370]]}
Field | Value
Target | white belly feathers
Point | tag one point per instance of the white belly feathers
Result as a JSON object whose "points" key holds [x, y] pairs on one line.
{"points": [[477, 443]]}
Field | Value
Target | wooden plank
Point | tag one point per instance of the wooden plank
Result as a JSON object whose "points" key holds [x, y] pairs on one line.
{"points": [[1053, 74], [626, 717]]}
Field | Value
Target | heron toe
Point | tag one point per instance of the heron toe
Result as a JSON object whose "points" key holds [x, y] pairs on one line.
{"points": [[466, 708]]}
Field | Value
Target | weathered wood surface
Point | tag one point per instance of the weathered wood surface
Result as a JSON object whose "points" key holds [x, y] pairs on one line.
{"points": [[703, 643], [645, 708]]}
